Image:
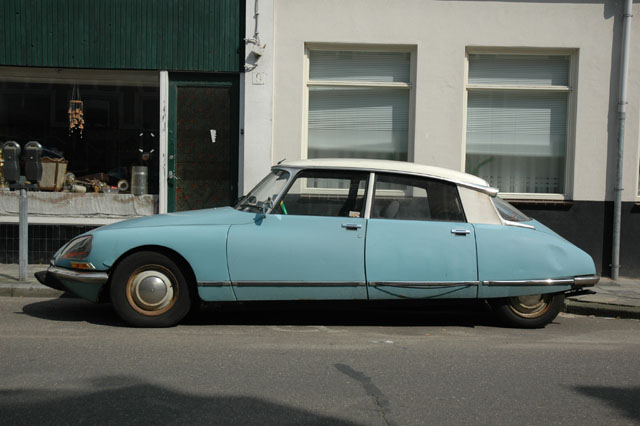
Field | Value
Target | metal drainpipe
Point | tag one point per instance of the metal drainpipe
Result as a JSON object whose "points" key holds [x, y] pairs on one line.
{"points": [[622, 112]]}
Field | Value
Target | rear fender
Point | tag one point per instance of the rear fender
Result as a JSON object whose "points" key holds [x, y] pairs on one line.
{"points": [[511, 257]]}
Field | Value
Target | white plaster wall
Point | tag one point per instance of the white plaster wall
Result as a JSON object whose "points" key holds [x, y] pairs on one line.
{"points": [[256, 96], [440, 31]]}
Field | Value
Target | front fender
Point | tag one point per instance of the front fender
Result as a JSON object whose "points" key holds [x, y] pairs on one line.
{"points": [[204, 247]]}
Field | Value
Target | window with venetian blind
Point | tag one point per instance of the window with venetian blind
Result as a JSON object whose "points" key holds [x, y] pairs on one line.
{"points": [[358, 104], [517, 114]]}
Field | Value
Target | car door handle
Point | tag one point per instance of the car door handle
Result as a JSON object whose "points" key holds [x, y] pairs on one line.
{"points": [[460, 231], [354, 226]]}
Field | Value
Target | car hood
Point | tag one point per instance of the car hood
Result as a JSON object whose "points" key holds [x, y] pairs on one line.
{"points": [[217, 216]]}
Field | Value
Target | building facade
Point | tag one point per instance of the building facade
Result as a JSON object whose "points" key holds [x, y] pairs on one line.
{"points": [[523, 94]]}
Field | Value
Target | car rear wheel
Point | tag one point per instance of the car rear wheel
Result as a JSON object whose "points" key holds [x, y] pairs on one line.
{"points": [[532, 311], [149, 290]]}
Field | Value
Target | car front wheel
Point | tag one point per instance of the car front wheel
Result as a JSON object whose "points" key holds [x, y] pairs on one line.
{"points": [[149, 290], [534, 311]]}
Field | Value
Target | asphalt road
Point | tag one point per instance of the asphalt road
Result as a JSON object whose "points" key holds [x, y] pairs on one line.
{"points": [[66, 361]]}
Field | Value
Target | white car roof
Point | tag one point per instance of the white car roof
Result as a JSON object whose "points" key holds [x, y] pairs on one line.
{"points": [[388, 166]]}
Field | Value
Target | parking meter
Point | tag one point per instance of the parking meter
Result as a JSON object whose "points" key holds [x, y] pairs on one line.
{"points": [[32, 164], [11, 156]]}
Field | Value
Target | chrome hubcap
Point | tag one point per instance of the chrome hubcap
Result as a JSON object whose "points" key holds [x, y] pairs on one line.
{"points": [[530, 306], [151, 290]]}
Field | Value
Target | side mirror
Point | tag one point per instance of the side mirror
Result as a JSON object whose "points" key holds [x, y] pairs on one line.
{"points": [[266, 206], [32, 164], [11, 156]]}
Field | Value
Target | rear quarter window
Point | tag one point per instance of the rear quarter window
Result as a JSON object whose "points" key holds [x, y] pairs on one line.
{"points": [[508, 212]]}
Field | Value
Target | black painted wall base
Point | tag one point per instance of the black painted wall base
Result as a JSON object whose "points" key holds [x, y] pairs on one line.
{"points": [[44, 241], [587, 224]]}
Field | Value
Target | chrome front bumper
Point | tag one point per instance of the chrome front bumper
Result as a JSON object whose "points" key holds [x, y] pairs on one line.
{"points": [[55, 276], [78, 276]]}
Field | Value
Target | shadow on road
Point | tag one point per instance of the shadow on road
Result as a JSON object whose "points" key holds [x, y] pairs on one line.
{"points": [[624, 399], [127, 401], [74, 310], [283, 313]]}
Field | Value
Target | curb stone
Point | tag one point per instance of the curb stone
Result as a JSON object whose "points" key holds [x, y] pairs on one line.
{"points": [[601, 309], [28, 290]]}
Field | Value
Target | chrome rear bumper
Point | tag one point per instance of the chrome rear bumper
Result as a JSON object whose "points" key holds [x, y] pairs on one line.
{"points": [[586, 281], [582, 281]]}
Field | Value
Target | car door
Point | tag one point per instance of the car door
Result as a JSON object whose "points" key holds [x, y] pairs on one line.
{"points": [[310, 247], [418, 242]]}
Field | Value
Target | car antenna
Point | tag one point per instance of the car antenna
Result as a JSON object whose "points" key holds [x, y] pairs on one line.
{"points": [[279, 162]]}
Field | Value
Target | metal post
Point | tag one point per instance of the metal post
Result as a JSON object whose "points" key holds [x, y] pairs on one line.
{"points": [[622, 112], [24, 235]]}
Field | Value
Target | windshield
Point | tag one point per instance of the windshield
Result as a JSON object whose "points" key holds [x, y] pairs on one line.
{"points": [[265, 192], [508, 212]]}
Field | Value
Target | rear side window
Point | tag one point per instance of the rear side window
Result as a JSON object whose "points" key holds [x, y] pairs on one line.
{"points": [[415, 198], [508, 212]]}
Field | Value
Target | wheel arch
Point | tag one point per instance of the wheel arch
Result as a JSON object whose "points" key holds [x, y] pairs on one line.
{"points": [[180, 260]]}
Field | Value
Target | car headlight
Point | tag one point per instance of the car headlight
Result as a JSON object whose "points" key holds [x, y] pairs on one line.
{"points": [[77, 249]]}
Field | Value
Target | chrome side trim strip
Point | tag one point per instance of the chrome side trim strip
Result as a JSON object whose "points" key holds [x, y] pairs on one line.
{"points": [[423, 284], [77, 276], [213, 283], [519, 224], [491, 192], [568, 281], [296, 284]]}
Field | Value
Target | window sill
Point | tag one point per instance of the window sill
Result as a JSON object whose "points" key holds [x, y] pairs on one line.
{"points": [[62, 220], [76, 208], [531, 196]]}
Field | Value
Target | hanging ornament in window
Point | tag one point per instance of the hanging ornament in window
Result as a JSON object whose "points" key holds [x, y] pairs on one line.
{"points": [[76, 112]]}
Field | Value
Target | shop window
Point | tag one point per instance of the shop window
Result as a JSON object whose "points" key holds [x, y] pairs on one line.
{"points": [[517, 120], [114, 142], [358, 104]]}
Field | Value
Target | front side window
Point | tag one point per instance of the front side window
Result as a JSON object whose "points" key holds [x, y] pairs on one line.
{"points": [[358, 104], [517, 110], [325, 193], [414, 198]]}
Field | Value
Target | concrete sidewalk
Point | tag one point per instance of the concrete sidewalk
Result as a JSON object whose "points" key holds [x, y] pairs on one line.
{"points": [[619, 298], [612, 299], [10, 285]]}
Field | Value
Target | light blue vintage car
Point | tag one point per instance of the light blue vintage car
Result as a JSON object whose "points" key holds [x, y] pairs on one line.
{"points": [[331, 230]]}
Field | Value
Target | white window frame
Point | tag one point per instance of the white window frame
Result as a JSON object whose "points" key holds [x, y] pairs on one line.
{"points": [[637, 176], [307, 83], [570, 89]]}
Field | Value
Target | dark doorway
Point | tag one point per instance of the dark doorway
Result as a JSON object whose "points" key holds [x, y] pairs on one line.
{"points": [[203, 145]]}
